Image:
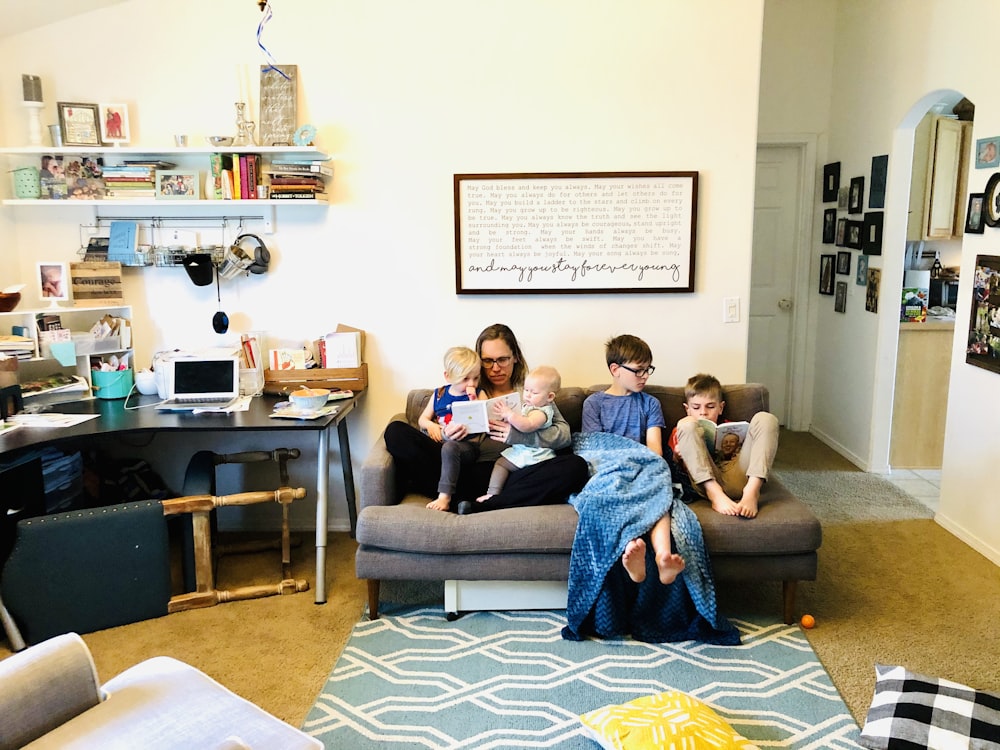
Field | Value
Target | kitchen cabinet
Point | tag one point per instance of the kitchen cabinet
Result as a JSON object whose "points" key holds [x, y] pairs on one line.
{"points": [[940, 169]]}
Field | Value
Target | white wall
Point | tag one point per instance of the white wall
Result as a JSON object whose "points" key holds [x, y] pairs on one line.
{"points": [[405, 95]]}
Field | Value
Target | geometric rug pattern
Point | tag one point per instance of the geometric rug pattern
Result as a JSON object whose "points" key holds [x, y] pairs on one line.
{"points": [[508, 680]]}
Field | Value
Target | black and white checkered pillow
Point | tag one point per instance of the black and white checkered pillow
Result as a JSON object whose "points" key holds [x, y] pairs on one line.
{"points": [[913, 712]]}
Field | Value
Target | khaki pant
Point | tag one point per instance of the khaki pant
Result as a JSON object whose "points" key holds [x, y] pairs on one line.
{"points": [[754, 459]]}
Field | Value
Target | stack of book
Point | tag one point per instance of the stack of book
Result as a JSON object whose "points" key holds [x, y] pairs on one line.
{"points": [[14, 345], [135, 179], [298, 179], [235, 176]]}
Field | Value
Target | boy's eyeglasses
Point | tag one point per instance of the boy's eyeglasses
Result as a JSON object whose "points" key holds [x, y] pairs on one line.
{"points": [[644, 373], [502, 361]]}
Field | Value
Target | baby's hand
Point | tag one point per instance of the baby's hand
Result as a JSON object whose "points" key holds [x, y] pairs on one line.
{"points": [[434, 433], [502, 410]]}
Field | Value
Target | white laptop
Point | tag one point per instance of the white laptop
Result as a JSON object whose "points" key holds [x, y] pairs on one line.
{"points": [[200, 384]]}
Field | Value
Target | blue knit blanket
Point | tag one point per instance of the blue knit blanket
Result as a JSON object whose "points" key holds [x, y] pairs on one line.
{"points": [[628, 492]]}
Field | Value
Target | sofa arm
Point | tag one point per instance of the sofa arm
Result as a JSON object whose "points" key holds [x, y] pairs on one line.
{"points": [[377, 483], [44, 687]]}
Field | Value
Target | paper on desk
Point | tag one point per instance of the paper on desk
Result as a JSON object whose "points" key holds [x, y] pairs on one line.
{"points": [[241, 404], [290, 412], [50, 420]]}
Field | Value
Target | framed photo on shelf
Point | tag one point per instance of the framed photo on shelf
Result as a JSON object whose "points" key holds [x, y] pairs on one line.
{"points": [[840, 297], [114, 123], [831, 182], [871, 238], [861, 277], [79, 124], [829, 225], [843, 262], [974, 214], [983, 346], [53, 281], [856, 201], [991, 201], [841, 232], [826, 274], [988, 152], [177, 184], [854, 229]]}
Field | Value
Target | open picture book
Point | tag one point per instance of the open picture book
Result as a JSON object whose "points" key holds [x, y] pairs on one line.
{"points": [[475, 415], [716, 433]]}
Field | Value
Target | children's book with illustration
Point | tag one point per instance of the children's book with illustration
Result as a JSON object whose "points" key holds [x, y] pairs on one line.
{"points": [[715, 433], [475, 415]]}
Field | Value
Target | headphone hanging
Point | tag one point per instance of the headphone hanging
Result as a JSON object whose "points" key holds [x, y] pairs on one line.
{"points": [[261, 255]]}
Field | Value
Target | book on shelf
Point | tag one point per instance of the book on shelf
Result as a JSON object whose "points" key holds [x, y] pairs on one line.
{"points": [[153, 163], [55, 383], [298, 196], [126, 193], [123, 240], [237, 178], [279, 168], [253, 175], [302, 160], [475, 415], [715, 434], [298, 180]]}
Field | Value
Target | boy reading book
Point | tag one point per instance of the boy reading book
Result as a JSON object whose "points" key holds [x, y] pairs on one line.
{"points": [[731, 477]]}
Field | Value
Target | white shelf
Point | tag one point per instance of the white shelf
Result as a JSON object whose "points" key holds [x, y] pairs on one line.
{"points": [[108, 202], [307, 151]]}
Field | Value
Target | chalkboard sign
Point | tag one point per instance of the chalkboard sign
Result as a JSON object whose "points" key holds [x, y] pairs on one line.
{"points": [[278, 95], [575, 232]]}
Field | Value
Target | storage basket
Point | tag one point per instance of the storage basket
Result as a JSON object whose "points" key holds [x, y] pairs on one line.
{"points": [[27, 183], [114, 384]]}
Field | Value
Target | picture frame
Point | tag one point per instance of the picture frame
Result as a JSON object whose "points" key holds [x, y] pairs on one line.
{"points": [[991, 201], [842, 198], [872, 289], [826, 273], [53, 281], [114, 123], [974, 214], [840, 297], [880, 173], [841, 232], [988, 152], [983, 344], [79, 124], [855, 230], [871, 233], [861, 276], [831, 181], [520, 233], [843, 262], [178, 185], [856, 199], [829, 226]]}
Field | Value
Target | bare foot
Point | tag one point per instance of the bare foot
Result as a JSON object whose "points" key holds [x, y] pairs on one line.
{"points": [[721, 502], [747, 506], [634, 560], [670, 566], [483, 498], [443, 502]]}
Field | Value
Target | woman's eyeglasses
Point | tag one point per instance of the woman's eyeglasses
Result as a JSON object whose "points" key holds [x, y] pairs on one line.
{"points": [[502, 361], [643, 373]]}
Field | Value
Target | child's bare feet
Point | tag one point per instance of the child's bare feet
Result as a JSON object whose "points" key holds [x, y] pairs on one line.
{"points": [[747, 506], [670, 566], [634, 560], [721, 502], [443, 502]]}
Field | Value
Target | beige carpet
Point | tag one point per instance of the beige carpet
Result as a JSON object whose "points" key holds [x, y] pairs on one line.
{"points": [[901, 592]]}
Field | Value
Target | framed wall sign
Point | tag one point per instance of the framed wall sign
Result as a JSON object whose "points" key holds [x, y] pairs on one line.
{"points": [[575, 233], [79, 124], [983, 348]]}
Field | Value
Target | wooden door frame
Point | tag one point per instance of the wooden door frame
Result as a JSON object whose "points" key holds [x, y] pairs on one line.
{"points": [[802, 358]]}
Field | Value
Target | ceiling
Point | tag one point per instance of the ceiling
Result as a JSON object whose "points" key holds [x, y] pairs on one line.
{"points": [[19, 16]]}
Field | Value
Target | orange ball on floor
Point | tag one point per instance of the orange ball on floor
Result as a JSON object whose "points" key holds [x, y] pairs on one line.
{"points": [[808, 622]]}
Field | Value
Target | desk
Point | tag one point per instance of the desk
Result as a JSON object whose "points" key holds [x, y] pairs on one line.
{"points": [[116, 419]]}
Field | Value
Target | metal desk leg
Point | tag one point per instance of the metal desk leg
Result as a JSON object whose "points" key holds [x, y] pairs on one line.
{"points": [[322, 497], [345, 463]]}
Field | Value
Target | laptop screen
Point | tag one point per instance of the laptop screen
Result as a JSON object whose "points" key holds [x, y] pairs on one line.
{"points": [[206, 378]]}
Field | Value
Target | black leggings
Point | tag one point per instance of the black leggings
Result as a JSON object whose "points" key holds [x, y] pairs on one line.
{"points": [[418, 469]]}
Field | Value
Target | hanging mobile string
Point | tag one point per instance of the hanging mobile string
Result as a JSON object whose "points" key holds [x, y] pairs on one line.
{"points": [[265, 7]]}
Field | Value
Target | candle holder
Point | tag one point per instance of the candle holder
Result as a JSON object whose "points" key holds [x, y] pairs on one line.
{"points": [[34, 110], [244, 129]]}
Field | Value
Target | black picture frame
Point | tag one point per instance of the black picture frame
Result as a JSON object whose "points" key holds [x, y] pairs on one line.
{"points": [[826, 273], [829, 226], [856, 197], [841, 232], [80, 124], [840, 297], [843, 262], [991, 201], [880, 171], [831, 181], [974, 214], [872, 289], [983, 345], [853, 238], [871, 233]]}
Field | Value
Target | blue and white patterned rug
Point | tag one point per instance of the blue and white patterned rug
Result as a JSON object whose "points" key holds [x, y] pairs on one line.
{"points": [[508, 680]]}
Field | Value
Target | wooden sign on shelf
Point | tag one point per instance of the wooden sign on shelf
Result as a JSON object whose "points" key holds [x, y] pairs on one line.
{"points": [[278, 95], [96, 283]]}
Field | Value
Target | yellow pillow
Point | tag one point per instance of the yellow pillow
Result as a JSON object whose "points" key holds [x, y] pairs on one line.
{"points": [[664, 722]]}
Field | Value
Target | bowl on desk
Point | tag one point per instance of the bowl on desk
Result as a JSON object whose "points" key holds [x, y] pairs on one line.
{"points": [[145, 382], [309, 399], [9, 300]]}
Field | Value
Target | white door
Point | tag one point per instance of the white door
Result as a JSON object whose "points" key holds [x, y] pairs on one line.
{"points": [[772, 276]]}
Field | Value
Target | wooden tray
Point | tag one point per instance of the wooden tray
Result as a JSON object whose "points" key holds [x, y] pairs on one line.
{"points": [[283, 382]]}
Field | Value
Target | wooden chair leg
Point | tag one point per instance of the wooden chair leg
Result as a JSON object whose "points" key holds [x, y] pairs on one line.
{"points": [[373, 590], [788, 591]]}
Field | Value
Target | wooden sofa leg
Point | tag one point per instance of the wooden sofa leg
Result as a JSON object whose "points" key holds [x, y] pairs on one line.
{"points": [[788, 590], [373, 591]]}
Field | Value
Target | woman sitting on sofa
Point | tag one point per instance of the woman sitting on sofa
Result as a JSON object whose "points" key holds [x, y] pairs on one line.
{"points": [[418, 458]]}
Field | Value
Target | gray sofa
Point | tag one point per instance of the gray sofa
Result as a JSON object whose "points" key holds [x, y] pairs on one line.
{"points": [[50, 697], [406, 541]]}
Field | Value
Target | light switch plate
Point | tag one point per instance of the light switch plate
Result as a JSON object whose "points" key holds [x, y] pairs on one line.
{"points": [[730, 309]]}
